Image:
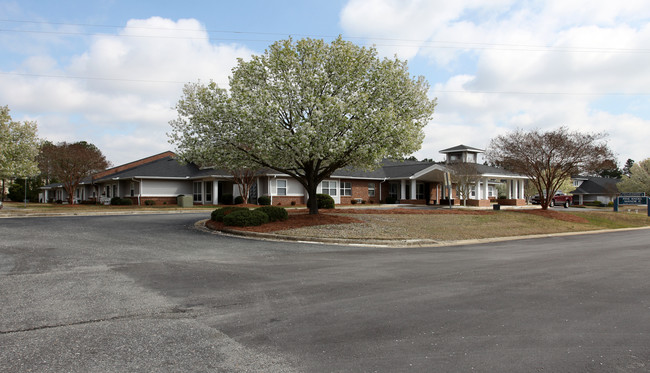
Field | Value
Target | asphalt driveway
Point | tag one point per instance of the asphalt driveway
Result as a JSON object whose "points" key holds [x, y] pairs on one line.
{"points": [[151, 293]]}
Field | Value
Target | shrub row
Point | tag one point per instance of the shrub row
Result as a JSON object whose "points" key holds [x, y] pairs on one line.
{"points": [[243, 217], [220, 213], [325, 201], [117, 201]]}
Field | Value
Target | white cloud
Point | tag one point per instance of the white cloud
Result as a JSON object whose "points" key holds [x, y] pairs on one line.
{"points": [[134, 79], [529, 65]]}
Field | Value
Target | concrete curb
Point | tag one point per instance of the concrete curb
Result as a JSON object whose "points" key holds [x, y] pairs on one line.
{"points": [[200, 225], [4, 215]]}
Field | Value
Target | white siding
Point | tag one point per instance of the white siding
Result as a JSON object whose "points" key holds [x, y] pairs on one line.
{"points": [[166, 188], [294, 188]]}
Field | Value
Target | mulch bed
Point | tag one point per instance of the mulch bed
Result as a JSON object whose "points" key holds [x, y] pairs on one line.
{"points": [[563, 216], [299, 218]]}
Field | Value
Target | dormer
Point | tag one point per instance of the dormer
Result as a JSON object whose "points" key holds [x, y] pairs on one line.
{"points": [[462, 153]]}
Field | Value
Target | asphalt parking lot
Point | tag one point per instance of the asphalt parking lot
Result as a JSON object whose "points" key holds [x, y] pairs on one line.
{"points": [[152, 293]]}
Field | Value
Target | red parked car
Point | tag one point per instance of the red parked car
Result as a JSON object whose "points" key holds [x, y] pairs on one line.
{"points": [[559, 199]]}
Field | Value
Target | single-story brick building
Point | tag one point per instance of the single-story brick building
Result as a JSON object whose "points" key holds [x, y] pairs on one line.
{"points": [[162, 178]]}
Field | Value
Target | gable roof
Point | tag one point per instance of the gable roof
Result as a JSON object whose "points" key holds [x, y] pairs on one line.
{"points": [[387, 169], [462, 148], [165, 168], [126, 166], [597, 185]]}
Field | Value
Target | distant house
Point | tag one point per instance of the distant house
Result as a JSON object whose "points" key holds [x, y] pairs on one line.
{"points": [[591, 189], [162, 178]]}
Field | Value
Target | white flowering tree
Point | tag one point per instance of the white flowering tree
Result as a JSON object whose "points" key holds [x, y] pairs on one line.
{"points": [[638, 179], [305, 108], [18, 148]]}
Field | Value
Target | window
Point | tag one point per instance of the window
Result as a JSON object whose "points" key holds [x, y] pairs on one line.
{"points": [[132, 189], [419, 193], [108, 191], [346, 188], [281, 187], [208, 191], [198, 191], [371, 189], [328, 187], [115, 191], [471, 158]]}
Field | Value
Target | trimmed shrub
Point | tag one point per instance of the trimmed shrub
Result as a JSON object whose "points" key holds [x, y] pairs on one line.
{"points": [[245, 218], [354, 201], [610, 204], [149, 202], [239, 200], [264, 201], [117, 201], [325, 201], [274, 213], [226, 199], [220, 213], [391, 200]]}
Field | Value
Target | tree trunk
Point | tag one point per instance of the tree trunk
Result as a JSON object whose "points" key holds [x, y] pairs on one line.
{"points": [[312, 201]]}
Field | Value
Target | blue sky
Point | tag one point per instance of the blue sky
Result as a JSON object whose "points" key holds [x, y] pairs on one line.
{"points": [[110, 72]]}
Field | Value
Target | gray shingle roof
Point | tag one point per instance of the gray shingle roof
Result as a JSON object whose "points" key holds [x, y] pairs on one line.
{"points": [[387, 169], [461, 148], [597, 185], [168, 167]]}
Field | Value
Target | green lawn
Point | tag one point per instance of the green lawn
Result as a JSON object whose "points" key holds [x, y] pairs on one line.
{"points": [[463, 227]]}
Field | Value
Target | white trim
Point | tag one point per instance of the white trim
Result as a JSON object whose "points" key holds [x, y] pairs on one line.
{"points": [[356, 178], [435, 167]]}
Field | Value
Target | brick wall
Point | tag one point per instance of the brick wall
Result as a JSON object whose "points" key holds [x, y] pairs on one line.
{"points": [[286, 200], [360, 191]]}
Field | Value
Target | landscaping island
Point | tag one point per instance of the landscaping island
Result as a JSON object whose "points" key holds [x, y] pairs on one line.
{"points": [[437, 224]]}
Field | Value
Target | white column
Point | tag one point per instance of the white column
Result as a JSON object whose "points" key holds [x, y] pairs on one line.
{"points": [[521, 189], [484, 191], [509, 184], [413, 189], [403, 189], [515, 188], [45, 199]]}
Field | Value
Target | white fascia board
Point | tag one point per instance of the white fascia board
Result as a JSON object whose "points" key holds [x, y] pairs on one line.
{"points": [[502, 176], [427, 170], [355, 177], [158, 178], [276, 175]]}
